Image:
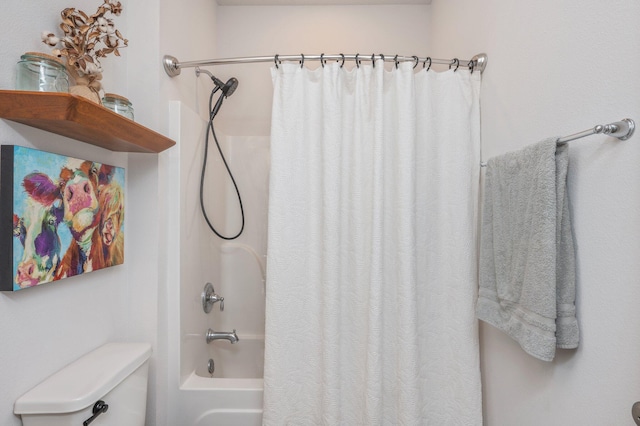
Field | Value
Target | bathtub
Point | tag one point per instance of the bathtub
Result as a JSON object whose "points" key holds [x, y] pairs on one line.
{"points": [[223, 402], [233, 396]]}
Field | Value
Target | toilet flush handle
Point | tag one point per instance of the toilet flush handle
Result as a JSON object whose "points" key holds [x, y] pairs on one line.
{"points": [[98, 408], [635, 412]]}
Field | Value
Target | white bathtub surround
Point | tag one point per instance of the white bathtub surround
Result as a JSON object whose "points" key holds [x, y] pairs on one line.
{"points": [[234, 395], [372, 255], [221, 402], [243, 360]]}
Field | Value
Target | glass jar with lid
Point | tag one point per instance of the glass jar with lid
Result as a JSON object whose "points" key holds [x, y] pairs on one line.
{"points": [[40, 72], [118, 104]]}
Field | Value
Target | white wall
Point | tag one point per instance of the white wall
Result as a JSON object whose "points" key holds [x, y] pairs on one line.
{"points": [[291, 30], [46, 327], [556, 68]]}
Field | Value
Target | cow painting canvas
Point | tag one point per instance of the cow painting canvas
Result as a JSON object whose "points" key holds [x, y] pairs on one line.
{"points": [[59, 217]]}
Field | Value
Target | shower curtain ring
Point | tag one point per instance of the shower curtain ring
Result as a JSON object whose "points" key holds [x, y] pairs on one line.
{"points": [[428, 58], [275, 61], [373, 60], [302, 60], [382, 57], [471, 65], [357, 61], [395, 59], [322, 59], [342, 64], [455, 61], [417, 61]]}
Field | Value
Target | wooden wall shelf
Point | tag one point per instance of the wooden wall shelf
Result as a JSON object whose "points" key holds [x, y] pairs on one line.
{"points": [[78, 118]]}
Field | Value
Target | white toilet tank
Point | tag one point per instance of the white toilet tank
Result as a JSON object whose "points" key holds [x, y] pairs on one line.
{"points": [[115, 373]]}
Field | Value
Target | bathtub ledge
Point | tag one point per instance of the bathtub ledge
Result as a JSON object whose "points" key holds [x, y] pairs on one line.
{"points": [[195, 382]]}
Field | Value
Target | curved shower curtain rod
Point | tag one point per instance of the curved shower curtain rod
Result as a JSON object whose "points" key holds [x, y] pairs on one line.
{"points": [[478, 63]]}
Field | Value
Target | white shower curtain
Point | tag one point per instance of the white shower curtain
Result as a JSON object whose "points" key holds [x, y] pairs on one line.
{"points": [[371, 269]]}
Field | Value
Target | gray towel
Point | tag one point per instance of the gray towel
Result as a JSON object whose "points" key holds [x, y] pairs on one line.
{"points": [[527, 258]]}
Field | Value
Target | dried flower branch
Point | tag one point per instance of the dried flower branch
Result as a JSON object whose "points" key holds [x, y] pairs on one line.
{"points": [[49, 38], [88, 38]]}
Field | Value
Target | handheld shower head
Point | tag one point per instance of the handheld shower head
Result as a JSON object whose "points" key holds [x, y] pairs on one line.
{"points": [[227, 88]]}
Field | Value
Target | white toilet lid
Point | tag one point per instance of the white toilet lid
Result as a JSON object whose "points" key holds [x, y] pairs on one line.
{"points": [[84, 381]]}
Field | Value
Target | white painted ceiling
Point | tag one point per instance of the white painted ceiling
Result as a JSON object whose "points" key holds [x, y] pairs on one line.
{"points": [[315, 2]]}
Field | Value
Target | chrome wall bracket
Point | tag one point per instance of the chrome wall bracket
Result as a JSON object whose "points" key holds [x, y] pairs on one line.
{"points": [[171, 65], [480, 62], [622, 130]]}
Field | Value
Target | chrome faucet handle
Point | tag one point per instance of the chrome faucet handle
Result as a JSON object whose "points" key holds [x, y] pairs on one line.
{"points": [[214, 298], [209, 298]]}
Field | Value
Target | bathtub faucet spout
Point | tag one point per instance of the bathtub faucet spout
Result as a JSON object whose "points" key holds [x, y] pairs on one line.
{"points": [[217, 335]]}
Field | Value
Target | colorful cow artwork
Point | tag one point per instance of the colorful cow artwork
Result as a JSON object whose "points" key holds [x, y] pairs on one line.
{"points": [[37, 231], [79, 189], [111, 219], [67, 217]]}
